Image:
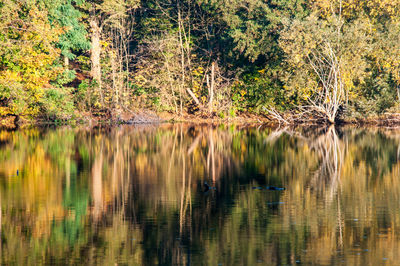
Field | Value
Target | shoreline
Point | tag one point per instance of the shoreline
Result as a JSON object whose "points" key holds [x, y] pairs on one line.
{"points": [[151, 118]]}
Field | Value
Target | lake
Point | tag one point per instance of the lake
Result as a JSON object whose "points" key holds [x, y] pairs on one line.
{"points": [[136, 195]]}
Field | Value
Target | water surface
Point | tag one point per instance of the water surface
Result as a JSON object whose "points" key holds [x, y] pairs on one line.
{"points": [[136, 196]]}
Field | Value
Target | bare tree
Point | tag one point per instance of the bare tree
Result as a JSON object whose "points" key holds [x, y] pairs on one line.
{"points": [[112, 22], [327, 100]]}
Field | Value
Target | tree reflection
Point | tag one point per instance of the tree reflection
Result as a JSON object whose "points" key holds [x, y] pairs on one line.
{"points": [[134, 195], [330, 152]]}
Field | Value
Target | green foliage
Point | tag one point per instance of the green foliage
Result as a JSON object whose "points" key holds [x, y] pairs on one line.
{"points": [[256, 91], [27, 53], [31, 44], [64, 78], [83, 97], [254, 25], [163, 54], [58, 104], [66, 14], [377, 96], [84, 62], [365, 56]]}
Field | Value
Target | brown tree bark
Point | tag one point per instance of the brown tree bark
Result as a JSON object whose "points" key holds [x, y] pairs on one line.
{"points": [[95, 53], [211, 88]]}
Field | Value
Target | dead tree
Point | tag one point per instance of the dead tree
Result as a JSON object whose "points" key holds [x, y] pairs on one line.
{"points": [[331, 95]]}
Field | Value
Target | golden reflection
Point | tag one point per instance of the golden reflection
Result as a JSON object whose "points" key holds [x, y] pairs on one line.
{"points": [[134, 195]]}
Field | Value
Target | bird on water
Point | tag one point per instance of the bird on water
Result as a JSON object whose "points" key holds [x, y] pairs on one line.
{"points": [[275, 188], [207, 187]]}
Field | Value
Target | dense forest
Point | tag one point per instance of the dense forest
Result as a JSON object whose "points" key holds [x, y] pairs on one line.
{"points": [[291, 60]]}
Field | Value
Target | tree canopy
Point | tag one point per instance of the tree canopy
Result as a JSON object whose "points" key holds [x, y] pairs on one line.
{"points": [[64, 59]]}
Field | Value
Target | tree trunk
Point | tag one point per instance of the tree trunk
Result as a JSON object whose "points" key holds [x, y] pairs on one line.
{"points": [[116, 85], [95, 54], [183, 63], [66, 61], [211, 88]]}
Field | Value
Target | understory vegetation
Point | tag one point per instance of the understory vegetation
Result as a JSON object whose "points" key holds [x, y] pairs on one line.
{"points": [[291, 60]]}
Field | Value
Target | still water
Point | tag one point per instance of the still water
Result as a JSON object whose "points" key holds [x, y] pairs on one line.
{"points": [[136, 196]]}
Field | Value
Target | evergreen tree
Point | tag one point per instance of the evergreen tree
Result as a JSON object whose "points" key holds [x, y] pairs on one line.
{"points": [[66, 14]]}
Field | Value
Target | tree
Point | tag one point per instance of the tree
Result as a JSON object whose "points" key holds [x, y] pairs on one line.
{"points": [[326, 58], [66, 14], [27, 54], [111, 16], [254, 25], [171, 56]]}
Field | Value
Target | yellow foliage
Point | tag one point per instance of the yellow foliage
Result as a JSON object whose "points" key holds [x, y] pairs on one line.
{"points": [[351, 7], [104, 44], [27, 69]]}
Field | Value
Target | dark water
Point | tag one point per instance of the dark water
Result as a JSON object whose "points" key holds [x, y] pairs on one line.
{"points": [[136, 195]]}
